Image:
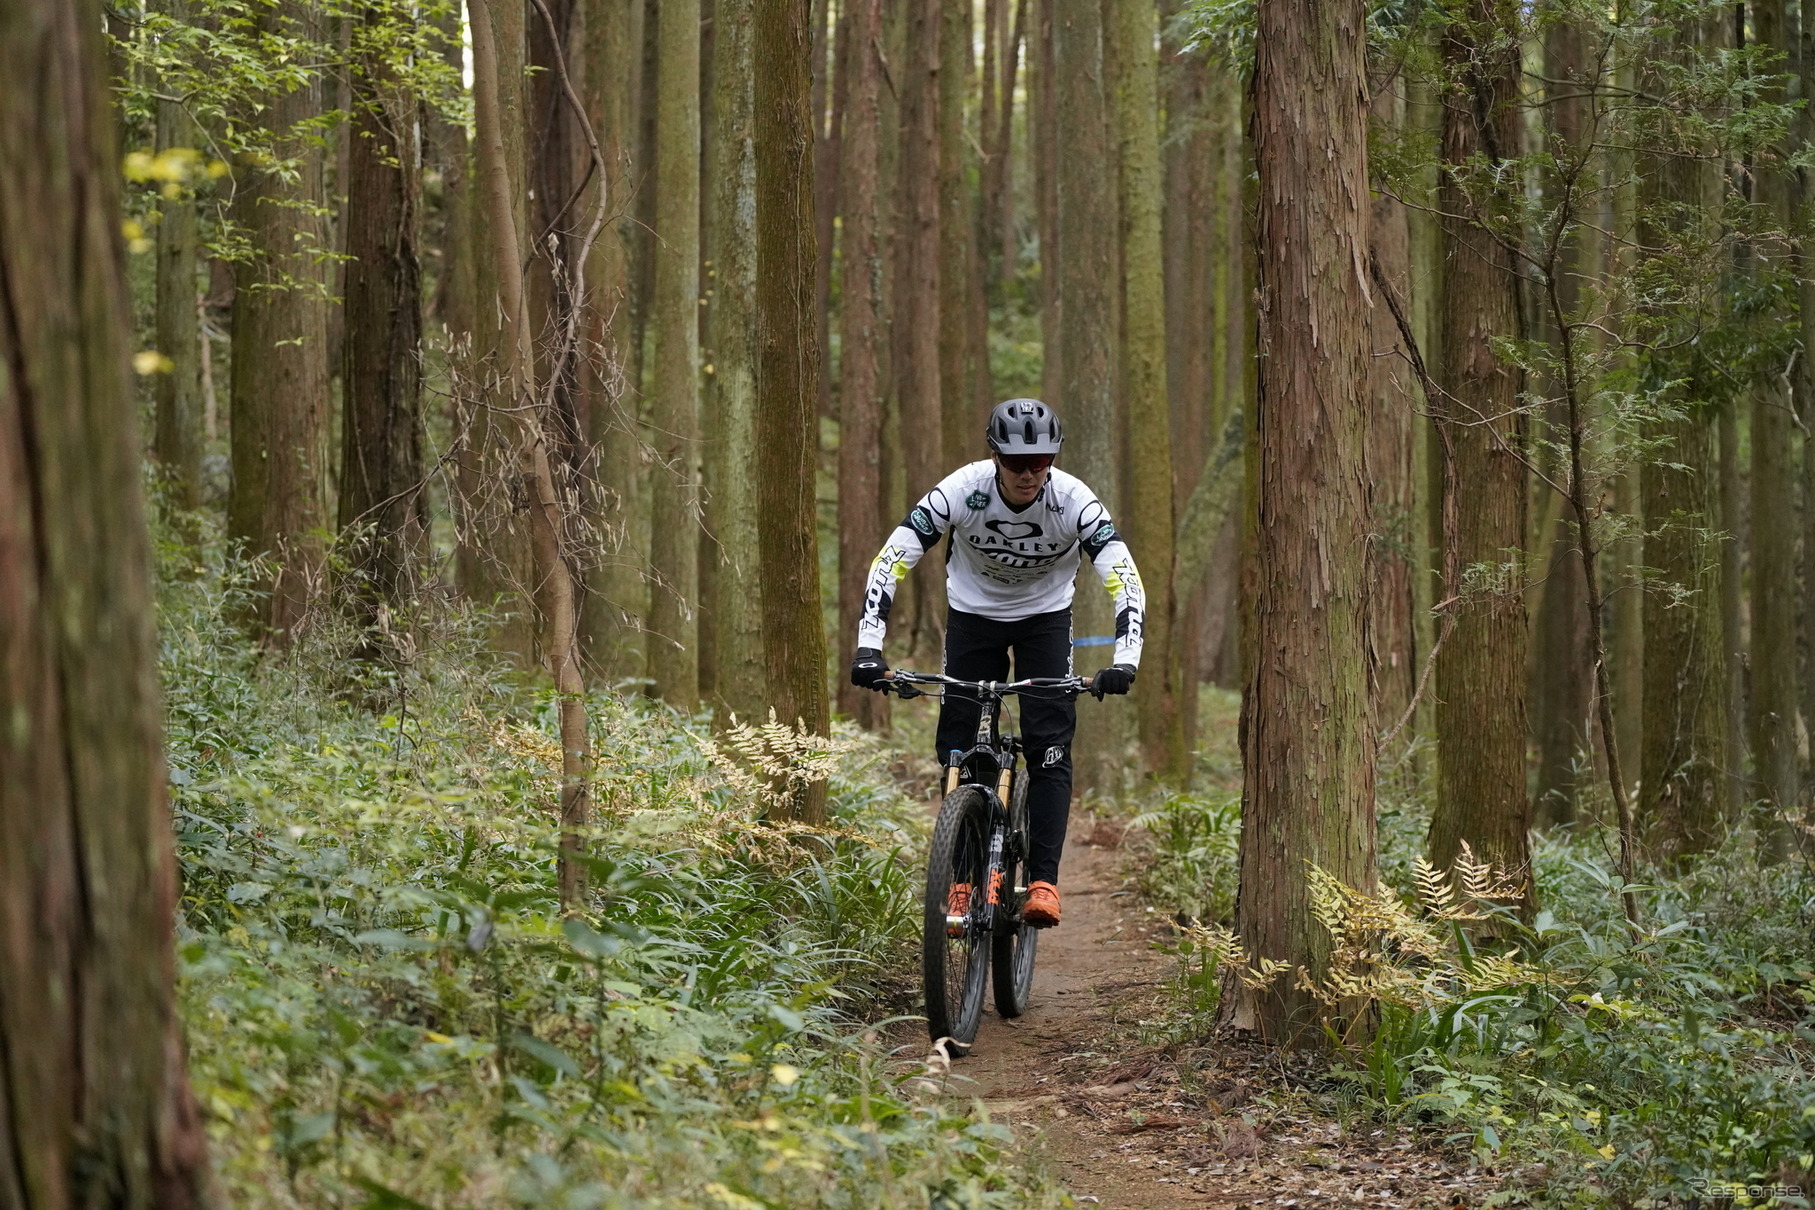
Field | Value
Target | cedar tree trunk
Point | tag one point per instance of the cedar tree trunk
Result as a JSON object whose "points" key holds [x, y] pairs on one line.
{"points": [[786, 382], [95, 1108], [1308, 743]]}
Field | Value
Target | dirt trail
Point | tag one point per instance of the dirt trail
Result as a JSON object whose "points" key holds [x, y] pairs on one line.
{"points": [[1118, 1126]]}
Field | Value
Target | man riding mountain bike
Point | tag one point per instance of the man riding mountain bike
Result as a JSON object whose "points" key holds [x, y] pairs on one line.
{"points": [[1018, 527]]}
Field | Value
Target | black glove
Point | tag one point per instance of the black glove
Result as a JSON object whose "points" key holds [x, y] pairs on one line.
{"points": [[1114, 679], [867, 667]]}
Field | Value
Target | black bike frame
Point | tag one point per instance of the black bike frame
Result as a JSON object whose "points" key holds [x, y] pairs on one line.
{"points": [[993, 763]]}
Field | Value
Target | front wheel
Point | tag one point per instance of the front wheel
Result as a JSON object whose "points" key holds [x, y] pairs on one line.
{"points": [[1014, 943], [955, 951]]}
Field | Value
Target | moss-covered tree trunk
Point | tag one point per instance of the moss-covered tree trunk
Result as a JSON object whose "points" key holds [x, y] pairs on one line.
{"points": [[1481, 720], [280, 403], [788, 370], [1308, 742], [1151, 518], [861, 517], [95, 1106], [381, 476], [736, 604], [1087, 272], [1775, 497]]}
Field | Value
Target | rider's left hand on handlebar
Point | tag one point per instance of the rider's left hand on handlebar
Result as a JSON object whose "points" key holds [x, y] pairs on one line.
{"points": [[868, 669], [1114, 679]]}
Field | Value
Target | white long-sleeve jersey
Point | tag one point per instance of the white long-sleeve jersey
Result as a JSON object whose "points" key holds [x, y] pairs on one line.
{"points": [[1009, 564]]}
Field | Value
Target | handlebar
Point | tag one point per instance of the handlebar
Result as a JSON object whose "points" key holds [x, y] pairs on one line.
{"points": [[901, 682]]}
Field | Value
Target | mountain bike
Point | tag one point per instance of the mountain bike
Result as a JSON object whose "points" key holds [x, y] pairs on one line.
{"points": [[976, 870]]}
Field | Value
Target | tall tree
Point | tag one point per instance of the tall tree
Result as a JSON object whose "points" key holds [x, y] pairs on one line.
{"points": [[94, 1102], [860, 506], [1683, 759], [1560, 666], [1086, 275], [917, 301], [280, 333], [960, 379], [787, 379], [177, 440], [609, 393], [1308, 747], [735, 610], [1043, 128], [1151, 520], [1481, 722], [1772, 721], [674, 488], [381, 477]]}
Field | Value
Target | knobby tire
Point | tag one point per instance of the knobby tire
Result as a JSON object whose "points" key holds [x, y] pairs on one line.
{"points": [[1012, 948], [955, 970]]}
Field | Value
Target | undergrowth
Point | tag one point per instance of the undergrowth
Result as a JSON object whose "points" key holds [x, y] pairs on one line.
{"points": [[1583, 1065], [386, 1008]]}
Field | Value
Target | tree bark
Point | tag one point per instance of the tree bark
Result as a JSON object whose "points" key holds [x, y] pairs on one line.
{"points": [[1481, 719], [1087, 273], [830, 37], [1308, 743], [1560, 667], [1151, 508], [674, 488], [280, 365], [381, 478], [177, 442], [95, 1107], [787, 380], [1188, 217], [861, 517], [960, 378], [1772, 720], [613, 609], [918, 305], [736, 615], [1044, 137]]}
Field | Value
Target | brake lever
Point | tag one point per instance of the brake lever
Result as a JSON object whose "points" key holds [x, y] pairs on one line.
{"points": [[904, 691]]}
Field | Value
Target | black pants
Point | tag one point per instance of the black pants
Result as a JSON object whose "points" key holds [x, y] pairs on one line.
{"points": [[976, 649]]}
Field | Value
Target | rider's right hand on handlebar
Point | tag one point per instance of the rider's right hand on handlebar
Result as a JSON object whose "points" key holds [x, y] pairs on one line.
{"points": [[868, 669]]}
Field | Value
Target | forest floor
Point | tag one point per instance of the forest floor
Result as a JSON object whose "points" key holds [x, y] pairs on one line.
{"points": [[1125, 1120]]}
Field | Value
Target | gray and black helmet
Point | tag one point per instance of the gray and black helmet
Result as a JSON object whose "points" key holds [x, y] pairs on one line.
{"points": [[1024, 426]]}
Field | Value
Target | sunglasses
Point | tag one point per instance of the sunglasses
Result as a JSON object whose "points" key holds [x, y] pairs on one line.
{"points": [[1025, 464]]}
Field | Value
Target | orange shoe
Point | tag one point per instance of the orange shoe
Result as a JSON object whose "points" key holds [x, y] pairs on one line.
{"points": [[959, 900], [1042, 908]]}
